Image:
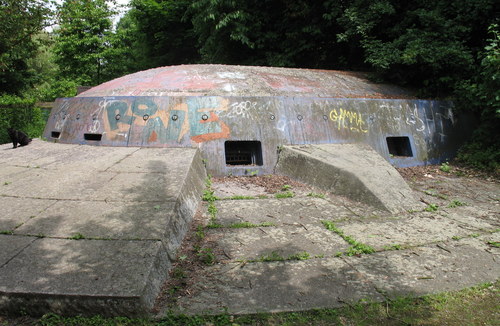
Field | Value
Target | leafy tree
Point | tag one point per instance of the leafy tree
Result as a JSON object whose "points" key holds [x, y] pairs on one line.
{"points": [[20, 21], [265, 32], [481, 94], [430, 45], [83, 41], [164, 31]]}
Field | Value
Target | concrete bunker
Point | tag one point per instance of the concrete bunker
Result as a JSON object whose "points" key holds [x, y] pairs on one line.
{"points": [[239, 116]]}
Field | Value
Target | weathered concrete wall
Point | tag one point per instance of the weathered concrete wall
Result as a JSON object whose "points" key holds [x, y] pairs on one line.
{"points": [[433, 131], [352, 170]]}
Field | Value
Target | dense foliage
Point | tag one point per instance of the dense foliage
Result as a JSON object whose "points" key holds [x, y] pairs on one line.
{"points": [[441, 48], [20, 21]]}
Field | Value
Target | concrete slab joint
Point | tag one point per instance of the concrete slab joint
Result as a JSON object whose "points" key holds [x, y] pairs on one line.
{"points": [[352, 170]]}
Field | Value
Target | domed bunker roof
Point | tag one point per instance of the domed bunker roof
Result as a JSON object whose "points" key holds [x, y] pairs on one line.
{"points": [[222, 80], [238, 116]]}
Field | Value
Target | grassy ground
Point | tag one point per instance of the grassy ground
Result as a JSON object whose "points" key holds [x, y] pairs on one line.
{"points": [[474, 306]]}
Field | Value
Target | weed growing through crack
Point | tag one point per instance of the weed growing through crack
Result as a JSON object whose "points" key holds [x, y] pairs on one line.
{"points": [[77, 236], [495, 244], [178, 273], [393, 247], [240, 225], [6, 232], [356, 247], [275, 256], [243, 225], [316, 195], [240, 197], [206, 256], [434, 193], [431, 208], [456, 203], [212, 212], [208, 196], [200, 233], [300, 256]]}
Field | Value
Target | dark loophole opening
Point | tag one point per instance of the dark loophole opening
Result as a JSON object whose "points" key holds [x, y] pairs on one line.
{"points": [[243, 152], [399, 146], [55, 134], [93, 137]]}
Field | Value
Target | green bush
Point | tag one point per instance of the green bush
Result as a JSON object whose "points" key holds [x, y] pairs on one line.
{"points": [[20, 114]]}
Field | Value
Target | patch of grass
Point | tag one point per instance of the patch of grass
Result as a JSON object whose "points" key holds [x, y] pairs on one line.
{"points": [[431, 208], [456, 237], [6, 183], [456, 203], [6, 232], [239, 197], [286, 187], [316, 195], [287, 194]]}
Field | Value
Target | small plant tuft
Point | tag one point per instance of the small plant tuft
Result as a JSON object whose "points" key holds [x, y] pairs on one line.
{"points": [[316, 195], [495, 244], [393, 247], [206, 256], [77, 236], [445, 167], [456, 203], [431, 208], [287, 194]]}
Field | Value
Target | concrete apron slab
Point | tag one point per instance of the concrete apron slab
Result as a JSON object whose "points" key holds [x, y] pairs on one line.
{"points": [[417, 253], [239, 288], [92, 230], [351, 170]]}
